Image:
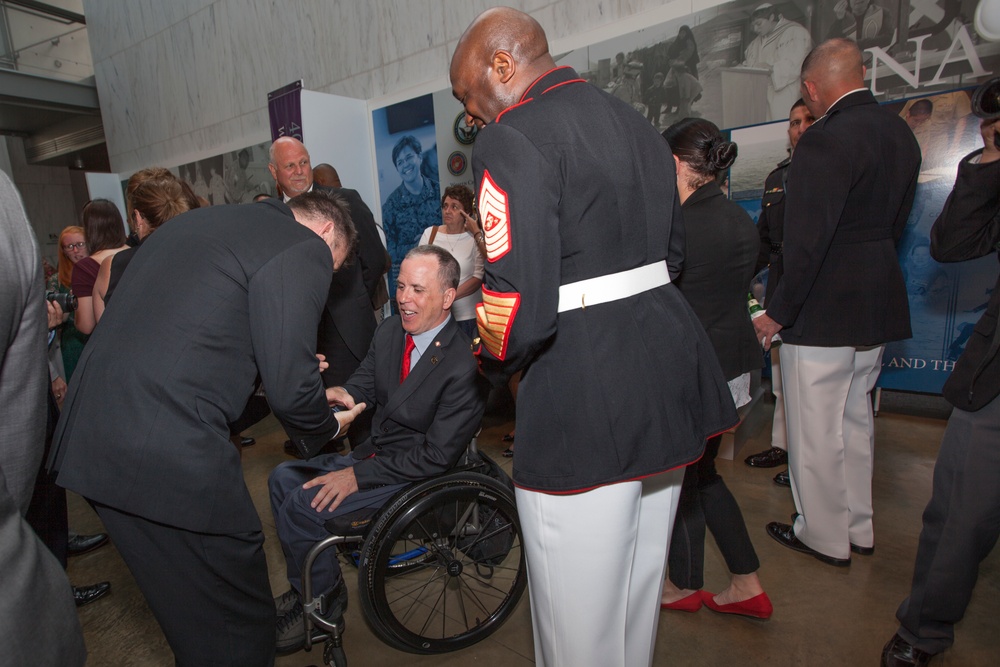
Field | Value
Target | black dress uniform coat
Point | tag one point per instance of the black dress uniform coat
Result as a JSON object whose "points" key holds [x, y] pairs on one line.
{"points": [[770, 227], [850, 188], [213, 298], [575, 184]]}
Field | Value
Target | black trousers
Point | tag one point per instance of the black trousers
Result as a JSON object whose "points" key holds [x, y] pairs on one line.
{"points": [[209, 593], [961, 526], [47, 513], [706, 501]]}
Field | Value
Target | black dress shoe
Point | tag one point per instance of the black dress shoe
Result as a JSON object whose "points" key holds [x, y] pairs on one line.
{"points": [[290, 634], [81, 544], [899, 653], [772, 458], [782, 479], [87, 594], [784, 535], [247, 442], [862, 551]]}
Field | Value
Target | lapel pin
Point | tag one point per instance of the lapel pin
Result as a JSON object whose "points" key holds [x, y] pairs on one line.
{"points": [[434, 360]]}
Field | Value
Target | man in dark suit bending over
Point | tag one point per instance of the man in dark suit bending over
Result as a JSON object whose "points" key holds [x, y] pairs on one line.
{"points": [[348, 321], [850, 188], [214, 298], [423, 381]]}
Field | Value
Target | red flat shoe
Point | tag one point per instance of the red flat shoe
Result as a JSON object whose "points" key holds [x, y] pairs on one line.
{"points": [[758, 606], [691, 603]]}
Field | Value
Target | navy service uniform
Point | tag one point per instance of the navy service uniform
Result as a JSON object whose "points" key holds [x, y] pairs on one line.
{"points": [[621, 385]]}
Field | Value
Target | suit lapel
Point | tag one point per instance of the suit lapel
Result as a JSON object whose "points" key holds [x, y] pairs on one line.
{"points": [[428, 362]]}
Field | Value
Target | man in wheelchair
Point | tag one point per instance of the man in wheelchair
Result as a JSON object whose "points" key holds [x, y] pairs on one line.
{"points": [[422, 379]]}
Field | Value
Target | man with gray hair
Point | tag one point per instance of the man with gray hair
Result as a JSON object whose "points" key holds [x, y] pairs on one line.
{"points": [[421, 352]]}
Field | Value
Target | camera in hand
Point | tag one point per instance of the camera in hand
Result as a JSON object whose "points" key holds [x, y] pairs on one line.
{"points": [[986, 103], [66, 301]]}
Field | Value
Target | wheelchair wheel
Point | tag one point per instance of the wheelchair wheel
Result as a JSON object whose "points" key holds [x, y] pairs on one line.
{"points": [[461, 540]]}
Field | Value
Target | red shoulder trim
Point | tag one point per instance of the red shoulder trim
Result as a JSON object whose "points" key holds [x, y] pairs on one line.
{"points": [[512, 106], [540, 77], [563, 84]]}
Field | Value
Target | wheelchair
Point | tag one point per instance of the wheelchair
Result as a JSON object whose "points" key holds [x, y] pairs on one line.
{"points": [[440, 565]]}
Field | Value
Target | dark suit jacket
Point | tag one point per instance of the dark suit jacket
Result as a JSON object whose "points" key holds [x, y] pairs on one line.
{"points": [[850, 188], [213, 298], [40, 625], [349, 318], [969, 227], [720, 250], [422, 426]]}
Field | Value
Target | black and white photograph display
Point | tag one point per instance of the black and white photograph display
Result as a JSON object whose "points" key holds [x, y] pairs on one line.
{"points": [[737, 64], [245, 174]]}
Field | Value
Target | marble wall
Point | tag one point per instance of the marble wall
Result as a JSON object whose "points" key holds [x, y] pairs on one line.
{"points": [[53, 196], [183, 79]]}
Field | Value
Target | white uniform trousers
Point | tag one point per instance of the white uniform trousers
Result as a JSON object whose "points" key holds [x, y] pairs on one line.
{"points": [[779, 432], [831, 437], [596, 562]]}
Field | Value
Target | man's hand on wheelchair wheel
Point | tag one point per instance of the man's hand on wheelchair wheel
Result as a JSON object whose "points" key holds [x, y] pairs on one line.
{"points": [[337, 485]]}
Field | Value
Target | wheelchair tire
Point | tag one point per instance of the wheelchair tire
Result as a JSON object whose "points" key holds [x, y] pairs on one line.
{"points": [[469, 572]]}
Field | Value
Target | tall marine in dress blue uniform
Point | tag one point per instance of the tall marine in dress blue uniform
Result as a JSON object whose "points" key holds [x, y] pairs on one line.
{"points": [[578, 200], [851, 184]]}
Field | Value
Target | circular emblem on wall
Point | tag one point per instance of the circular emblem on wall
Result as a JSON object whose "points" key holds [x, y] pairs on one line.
{"points": [[457, 163], [465, 134]]}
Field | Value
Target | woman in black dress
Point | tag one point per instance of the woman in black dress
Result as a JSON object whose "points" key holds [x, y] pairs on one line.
{"points": [[721, 245]]}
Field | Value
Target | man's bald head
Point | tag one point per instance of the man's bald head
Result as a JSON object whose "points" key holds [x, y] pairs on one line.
{"points": [[831, 69], [325, 174], [289, 166], [496, 59]]}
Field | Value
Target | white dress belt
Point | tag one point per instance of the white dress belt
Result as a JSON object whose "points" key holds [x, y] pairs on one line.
{"points": [[612, 287]]}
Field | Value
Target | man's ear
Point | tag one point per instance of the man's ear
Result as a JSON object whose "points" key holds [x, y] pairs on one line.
{"points": [[811, 90], [449, 297], [273, 170], [504, 66]]}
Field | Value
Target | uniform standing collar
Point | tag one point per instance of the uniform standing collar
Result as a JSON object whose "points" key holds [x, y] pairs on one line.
{"points": [[553, 77]]}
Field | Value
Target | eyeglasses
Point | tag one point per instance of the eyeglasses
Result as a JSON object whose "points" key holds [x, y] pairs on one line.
{"points": [[70, 246]]}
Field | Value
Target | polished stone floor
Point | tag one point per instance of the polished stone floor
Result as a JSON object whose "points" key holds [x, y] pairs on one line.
{"points": [[823, 615]]}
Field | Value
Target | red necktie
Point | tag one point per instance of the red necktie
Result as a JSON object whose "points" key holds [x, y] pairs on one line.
{"points": [[405, 370]]}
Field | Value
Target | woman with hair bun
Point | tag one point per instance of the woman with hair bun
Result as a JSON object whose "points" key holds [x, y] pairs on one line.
{"points": [[721, 250], [104, 231], [152, 196]]}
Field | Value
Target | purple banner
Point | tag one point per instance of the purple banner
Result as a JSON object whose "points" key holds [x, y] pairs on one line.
{"points": [[284, 106]]}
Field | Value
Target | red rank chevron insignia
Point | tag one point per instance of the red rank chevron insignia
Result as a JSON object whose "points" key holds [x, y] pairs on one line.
{"points": [[495, 212]]}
